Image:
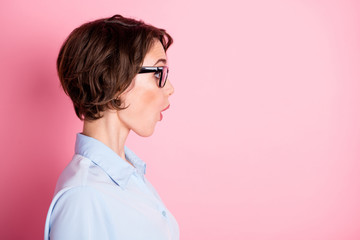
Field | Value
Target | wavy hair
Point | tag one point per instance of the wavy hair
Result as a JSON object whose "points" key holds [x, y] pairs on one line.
{"points": [[98, 61]]}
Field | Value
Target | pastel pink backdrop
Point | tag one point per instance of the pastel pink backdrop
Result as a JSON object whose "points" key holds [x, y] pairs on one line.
{"points": [[262, 138]]}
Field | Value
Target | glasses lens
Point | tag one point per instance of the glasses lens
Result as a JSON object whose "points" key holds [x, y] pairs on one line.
{"points": [[164, 76]]}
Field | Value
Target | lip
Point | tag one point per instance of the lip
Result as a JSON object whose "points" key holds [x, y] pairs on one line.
{"points": [[161, 116], [166, 108]]}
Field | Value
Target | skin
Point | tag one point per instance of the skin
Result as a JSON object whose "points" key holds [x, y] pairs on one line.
{"points": [[145, 101]]}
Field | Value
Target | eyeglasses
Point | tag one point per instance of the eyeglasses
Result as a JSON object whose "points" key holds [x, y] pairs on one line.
{"points": [[161, 73]]}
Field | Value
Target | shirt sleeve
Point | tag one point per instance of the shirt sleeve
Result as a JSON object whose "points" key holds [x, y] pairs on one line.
{"points": [[80, 213]]}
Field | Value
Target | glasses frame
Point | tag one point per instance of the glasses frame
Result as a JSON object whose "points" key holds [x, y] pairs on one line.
{"points": [[160, 70]]}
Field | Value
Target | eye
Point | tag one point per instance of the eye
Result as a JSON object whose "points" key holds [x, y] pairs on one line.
{"points": [[157, 75]]}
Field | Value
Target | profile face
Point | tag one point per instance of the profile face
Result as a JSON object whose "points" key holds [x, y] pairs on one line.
{"points": [[144, 98]]}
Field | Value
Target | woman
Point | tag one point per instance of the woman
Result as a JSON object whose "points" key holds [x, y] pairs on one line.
{"points": [[114, 70]]}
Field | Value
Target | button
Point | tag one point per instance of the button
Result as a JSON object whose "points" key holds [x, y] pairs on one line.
{"points": [[164, 213]]}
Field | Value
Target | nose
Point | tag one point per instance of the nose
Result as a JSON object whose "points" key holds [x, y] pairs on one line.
{"points": [[169, 88]]}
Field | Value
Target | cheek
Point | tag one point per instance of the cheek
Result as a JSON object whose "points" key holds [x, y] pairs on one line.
{"points": [[151, 98], [145, 112], [150, 103], [145, 106]]}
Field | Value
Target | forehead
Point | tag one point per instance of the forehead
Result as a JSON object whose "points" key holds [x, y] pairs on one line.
{"points": [[155, 53]]}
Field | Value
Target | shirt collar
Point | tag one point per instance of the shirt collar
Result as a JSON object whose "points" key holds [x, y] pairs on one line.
{"points": [[118, 169]]}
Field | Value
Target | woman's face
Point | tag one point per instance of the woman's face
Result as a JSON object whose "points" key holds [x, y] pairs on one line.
{"points": [[145, 100]]}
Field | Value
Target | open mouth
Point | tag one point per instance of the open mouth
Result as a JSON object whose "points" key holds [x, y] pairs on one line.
{"points": [[161, 116]]}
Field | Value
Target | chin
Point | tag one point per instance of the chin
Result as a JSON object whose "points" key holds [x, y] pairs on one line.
{"points": [[145, 132]]}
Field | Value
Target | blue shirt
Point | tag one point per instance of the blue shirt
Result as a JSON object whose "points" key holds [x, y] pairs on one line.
{"points": [[99, 195]]}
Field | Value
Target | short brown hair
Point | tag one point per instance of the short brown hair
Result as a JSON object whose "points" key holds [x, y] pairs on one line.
{"points": [[99, 59]]}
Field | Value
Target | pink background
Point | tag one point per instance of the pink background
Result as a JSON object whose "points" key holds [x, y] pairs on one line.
{"points": [[263, 134]]}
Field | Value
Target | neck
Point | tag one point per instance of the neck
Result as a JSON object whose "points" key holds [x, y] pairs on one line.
{"points": [[109, 131]]}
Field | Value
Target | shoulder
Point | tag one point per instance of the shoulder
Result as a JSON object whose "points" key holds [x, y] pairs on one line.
{"points": [[76, 199], [81, 171], [79, 204], [76, 212]]}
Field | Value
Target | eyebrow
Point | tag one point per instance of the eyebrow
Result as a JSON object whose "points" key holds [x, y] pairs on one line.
{"points": [[160, 60]]}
